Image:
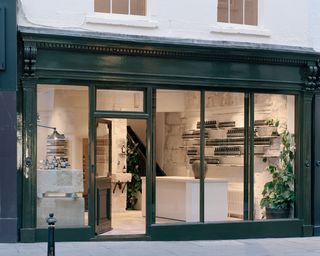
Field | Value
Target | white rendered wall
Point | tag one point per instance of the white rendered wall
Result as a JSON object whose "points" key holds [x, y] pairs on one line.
{"points": [[314, 21], [286, 22]]}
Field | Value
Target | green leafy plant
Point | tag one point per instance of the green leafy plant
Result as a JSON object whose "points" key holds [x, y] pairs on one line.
{"points": [[134, 167], [279, 192], [272, 122]]}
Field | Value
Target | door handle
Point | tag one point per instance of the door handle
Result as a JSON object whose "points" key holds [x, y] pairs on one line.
{"points": [[318, 163], [28, 162]]}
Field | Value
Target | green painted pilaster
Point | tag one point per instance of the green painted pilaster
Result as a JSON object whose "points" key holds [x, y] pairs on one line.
{"points": [[29, 174], [304, 143]]}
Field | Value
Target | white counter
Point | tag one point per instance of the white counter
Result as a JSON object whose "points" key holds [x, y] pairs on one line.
{"points": [[178, 198]]}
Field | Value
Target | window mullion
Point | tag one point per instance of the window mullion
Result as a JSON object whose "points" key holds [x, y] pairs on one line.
{"points": [[202, 156], [229, 11], [251, 156], [129, 7], [243, 11]]}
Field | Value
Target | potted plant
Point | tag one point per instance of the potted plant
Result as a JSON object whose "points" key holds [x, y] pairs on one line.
{"points": [[278, 194], [268, 129]]}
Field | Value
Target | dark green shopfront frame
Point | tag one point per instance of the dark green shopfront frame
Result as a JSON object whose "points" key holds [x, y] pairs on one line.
{"points": [[155, 63]]}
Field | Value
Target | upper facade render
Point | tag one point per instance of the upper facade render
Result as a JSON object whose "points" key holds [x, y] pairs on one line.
{"points": [[287, 22]]}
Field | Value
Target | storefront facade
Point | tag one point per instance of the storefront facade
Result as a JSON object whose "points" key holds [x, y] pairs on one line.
{"points": [[210, 97]]}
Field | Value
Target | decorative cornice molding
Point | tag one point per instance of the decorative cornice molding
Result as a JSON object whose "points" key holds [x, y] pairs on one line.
{"points": [[214, 54], [313, 76], [29, 58]]}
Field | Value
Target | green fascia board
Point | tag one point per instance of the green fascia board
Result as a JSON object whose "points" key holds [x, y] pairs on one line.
{"points": [[88, 66], [83, 57]]}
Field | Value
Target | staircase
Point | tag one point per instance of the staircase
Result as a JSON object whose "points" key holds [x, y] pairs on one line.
{"points": [[133, 138]]}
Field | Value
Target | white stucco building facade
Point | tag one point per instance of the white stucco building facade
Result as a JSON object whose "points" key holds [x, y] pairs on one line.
{"points": [[287, 22]]}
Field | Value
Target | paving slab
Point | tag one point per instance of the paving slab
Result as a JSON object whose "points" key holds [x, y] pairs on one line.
{"points": [[253, 247]]}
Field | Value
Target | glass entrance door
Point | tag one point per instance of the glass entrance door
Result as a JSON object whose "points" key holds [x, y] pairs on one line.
{"points": [[120, 153], [103, 165]]}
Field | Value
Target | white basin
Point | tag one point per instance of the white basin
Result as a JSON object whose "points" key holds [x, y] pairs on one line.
{"points": [[121, 177]]}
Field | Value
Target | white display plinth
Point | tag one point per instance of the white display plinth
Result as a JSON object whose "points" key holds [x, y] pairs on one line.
{"points": [[59, 181], [178, 198], [60, 192]]}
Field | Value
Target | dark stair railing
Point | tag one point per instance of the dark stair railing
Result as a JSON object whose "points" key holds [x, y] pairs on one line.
{"points": [[133, 138]]}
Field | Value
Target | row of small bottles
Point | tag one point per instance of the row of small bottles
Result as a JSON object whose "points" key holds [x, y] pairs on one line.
{"points": [[54, 163]]}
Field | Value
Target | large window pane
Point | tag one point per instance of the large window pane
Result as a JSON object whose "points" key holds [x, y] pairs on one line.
{"points": [[102, 6], [251, 12], [120, 100], [177, 194], [138, 7], [223, 10], [236, 11], [120, 6], [224, 156], [274, 152], [62, 141]]}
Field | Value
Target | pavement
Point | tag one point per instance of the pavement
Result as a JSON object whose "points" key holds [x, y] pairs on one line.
{"points": [[256, 247]]}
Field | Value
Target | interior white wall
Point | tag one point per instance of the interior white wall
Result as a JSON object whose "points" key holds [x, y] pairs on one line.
{"points": [[66, 110], [287, 22]]}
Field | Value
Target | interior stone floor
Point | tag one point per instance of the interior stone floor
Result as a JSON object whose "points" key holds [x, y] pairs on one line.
{"points": [[130, 222]]}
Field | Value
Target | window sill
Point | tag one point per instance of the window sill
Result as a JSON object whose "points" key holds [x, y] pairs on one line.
{"points": [[121, 20], [235, 29]]}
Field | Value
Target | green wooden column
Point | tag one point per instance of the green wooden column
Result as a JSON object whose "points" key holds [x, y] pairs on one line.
{"points": [[151, 160], [29, 164], [303, 178], [92, 167]]}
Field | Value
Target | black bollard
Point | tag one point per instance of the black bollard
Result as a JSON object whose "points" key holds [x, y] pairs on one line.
{"points": [[51, 225]]}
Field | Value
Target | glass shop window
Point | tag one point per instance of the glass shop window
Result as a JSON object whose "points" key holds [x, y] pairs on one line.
{"points": [[177, 191], [128, 7], [238, 11], [224, 156], [274, 156], [120, 100], [62, 150]]}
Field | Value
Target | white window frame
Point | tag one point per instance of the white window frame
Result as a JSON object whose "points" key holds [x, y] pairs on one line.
{"points": [[125, 20], [241, 29]]}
